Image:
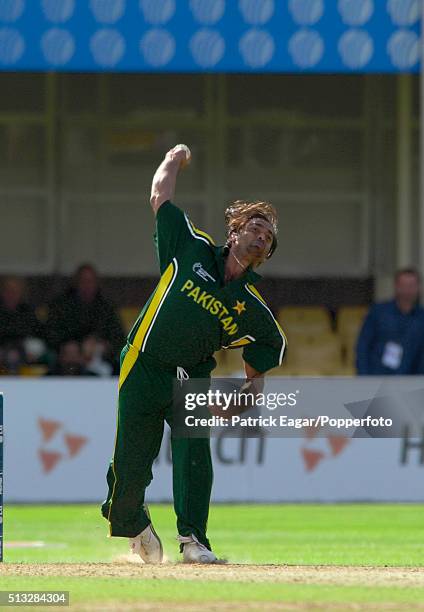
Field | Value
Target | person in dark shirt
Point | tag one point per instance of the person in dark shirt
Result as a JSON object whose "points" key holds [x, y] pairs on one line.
{"points": [[83, 311], [17, 317], [70, 361], [392, 337]]}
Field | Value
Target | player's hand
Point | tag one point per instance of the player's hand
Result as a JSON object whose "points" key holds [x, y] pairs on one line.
{"points": [[182, 153]]}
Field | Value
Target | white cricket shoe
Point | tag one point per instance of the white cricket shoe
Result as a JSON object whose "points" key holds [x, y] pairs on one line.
{"points": [[147, 544], [194, 551]]}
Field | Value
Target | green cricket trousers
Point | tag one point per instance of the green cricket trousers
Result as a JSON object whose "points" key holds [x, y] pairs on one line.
{"points": [[144, 404]]}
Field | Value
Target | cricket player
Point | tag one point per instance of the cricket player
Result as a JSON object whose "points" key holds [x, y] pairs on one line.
{"points": [[206, 299]]}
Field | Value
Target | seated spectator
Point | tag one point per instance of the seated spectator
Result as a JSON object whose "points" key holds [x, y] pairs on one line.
{"points": [[12, 358], [18, 326], [93, 355], [83, 311], [392, 337], [17, 317], [69, 361]]}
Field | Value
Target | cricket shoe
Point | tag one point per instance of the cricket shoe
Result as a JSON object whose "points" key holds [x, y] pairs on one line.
{"points": [[147, 544], [194, 551]]}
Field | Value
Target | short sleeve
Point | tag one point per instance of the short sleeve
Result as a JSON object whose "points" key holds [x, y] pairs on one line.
{"points": [[268, 351], [172, 233]]}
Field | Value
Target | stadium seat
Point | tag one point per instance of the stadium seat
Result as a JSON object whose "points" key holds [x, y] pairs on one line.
{"points": [[128, 315], [349, 323], [317, 354], [350, 319], [33, 370], [304, 319]]}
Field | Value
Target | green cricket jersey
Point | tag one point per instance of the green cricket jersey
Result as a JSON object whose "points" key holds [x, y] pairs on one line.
{"points": [[192, 313]]}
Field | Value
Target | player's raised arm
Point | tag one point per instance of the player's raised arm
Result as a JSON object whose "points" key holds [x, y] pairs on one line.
{"points": [[163, 185]]}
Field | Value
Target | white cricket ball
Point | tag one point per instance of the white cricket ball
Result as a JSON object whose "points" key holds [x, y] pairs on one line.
{"points": [[187, 154]]}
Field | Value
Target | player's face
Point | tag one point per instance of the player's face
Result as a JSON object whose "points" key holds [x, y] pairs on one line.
{"points": [[256, 239]]}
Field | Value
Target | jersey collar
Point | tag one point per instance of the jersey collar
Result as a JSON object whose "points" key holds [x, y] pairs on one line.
{"points": [[249, 276]]}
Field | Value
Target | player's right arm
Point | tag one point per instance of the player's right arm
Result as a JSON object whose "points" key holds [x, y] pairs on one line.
{"points": [[165, 177], [174, 230]]}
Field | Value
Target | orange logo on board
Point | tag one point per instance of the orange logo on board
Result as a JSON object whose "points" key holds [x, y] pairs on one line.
{"points": [[50, 458]]}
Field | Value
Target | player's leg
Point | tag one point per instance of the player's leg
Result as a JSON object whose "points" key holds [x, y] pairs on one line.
{"points": [[192, 482], [138, 439], [192, 485]]}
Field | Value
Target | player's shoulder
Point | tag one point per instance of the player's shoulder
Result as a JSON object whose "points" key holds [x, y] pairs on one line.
{"points": [[199, 234], [257, 302], [173, 216], [167, 209], [263, 316]]}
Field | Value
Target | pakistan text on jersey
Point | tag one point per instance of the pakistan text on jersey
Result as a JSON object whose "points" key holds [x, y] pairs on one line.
{"points": [[211, 304]]}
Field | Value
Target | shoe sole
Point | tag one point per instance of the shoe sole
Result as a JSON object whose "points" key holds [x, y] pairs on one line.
{"points": [[216, 562], [146, 510]]}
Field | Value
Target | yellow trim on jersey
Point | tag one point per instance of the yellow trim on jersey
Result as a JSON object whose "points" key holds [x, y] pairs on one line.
{"points": [[240, 342], [258, 295], [147, 321], [129, 360], [256, 292], [153, 306], [201, 233]]}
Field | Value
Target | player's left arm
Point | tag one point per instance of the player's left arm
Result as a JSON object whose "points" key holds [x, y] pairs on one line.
{"points": [[254, 378], [265, 353], [253, 385]]}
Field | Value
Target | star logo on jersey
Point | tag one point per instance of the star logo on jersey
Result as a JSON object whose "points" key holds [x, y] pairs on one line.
{"points": [[240, 307]]}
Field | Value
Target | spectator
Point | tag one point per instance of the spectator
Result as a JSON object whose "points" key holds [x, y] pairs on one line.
{"points": [[83, 311], [69, 361], [93, 356], [392, 337], [12, 358], [17, 317]]}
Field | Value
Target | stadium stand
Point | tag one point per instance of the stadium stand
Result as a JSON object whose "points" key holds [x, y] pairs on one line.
{"points": [[349, 323]]}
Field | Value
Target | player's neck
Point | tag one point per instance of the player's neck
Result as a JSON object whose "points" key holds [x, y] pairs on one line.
{"points": [[235, 265]]}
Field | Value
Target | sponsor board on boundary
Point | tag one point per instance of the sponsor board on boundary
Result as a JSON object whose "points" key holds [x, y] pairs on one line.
{"points": [[60, 434]]}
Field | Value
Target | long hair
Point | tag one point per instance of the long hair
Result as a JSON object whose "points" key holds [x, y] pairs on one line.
{"points": [[241, 211]]}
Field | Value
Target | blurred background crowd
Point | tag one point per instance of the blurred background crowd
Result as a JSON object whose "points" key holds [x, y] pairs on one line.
{"points": [[81, 333], [338, 155], [78, 333]]}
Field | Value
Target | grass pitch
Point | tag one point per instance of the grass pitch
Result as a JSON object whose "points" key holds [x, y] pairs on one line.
{"points": [[288, 557]]}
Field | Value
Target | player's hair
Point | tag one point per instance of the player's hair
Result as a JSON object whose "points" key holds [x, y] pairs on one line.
{"points": [[241, 211]]}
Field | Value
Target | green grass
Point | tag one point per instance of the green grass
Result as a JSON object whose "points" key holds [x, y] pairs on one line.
{"points": [[360, 534], [357, 534], [106, 590]]}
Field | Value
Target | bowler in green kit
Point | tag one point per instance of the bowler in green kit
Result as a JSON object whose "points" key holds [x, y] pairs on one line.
{"points": [[205, 300]]}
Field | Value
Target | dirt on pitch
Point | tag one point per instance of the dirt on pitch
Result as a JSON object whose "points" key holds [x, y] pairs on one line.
{"points": [[126, 567], [317, 574]]}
